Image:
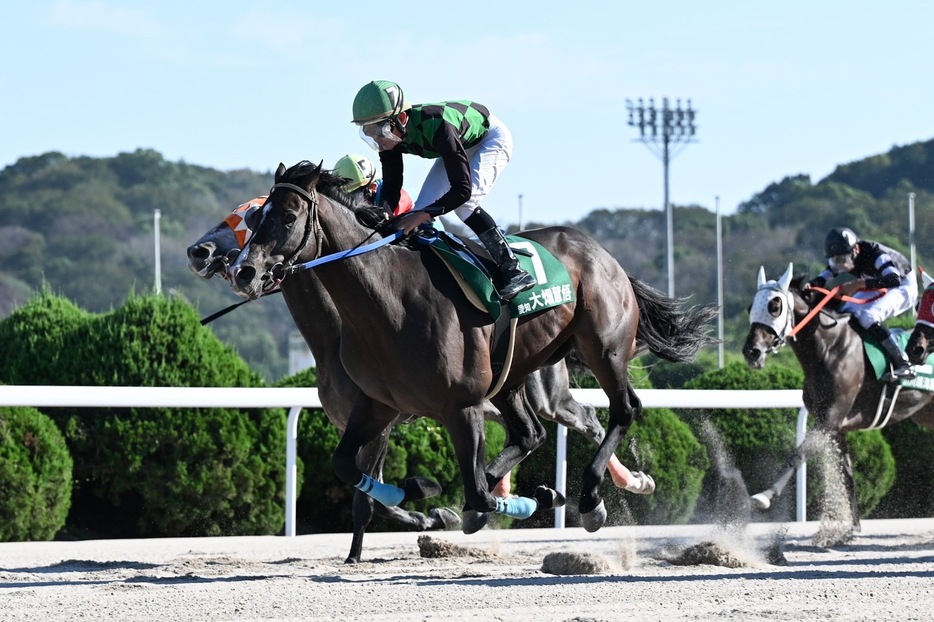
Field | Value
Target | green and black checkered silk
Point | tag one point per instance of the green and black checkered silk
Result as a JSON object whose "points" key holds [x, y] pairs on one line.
{"points": [[470, 121]]}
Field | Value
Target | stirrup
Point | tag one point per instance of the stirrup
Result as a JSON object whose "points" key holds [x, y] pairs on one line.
{"points": [[901, 373], [516, 285]]}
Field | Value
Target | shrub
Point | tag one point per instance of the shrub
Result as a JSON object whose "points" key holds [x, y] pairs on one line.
{"points": [[912, 495], [154, 471], [35, 475]]}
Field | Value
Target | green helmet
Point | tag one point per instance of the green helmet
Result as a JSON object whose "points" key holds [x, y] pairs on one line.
{"points": [[378, 100], [357, 168]]}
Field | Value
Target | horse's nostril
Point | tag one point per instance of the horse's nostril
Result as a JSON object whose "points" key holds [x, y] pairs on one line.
{"points": [[198, 252], [242, 274]]}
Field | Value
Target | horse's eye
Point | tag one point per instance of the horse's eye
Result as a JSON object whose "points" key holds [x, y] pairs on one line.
{"points": [[290, 217]]}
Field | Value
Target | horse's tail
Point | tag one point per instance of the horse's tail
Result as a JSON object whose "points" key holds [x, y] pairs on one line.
{"points": [[668, 330]]}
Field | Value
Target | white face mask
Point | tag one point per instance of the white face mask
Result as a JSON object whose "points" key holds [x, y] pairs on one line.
{"points": [[379, 136]]}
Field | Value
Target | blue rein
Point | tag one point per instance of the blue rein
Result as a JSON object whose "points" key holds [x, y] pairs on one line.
{"points": [[360, 250]]}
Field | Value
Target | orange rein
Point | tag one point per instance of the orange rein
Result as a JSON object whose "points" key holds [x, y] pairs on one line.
{"points": [[828, 296]]}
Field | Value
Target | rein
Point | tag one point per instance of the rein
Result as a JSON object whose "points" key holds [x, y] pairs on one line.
{"points": [[356, 250], [312, 223], [828, 296]]}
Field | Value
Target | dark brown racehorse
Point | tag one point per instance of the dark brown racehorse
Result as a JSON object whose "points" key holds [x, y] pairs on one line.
{"points": [[921, 342], [547, 389], [413, 343], [840, 390]]}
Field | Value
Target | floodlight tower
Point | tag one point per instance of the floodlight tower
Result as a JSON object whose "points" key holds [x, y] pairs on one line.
{"points": [[666, 132]]}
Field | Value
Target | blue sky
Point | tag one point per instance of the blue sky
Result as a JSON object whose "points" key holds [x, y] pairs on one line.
{"points": [[779, 88]]}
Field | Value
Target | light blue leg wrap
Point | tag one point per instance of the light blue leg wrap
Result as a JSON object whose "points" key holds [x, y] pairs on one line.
{"points": [[519, 507], [387, 494]]}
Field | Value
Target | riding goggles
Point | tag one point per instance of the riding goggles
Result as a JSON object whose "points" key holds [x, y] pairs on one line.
{"points": [[379, 136], [844, 262]]}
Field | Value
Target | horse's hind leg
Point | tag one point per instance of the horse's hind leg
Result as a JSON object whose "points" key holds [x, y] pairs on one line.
{"points": [[624, 408], [549, 395]]}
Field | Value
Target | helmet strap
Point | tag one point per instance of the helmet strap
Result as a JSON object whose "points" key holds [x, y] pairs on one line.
{"points": [[400, 124]]}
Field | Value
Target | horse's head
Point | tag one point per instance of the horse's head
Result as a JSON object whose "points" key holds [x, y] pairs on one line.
{"points": [[921, 343], [287, 228], [771, 318], [214, 251]]}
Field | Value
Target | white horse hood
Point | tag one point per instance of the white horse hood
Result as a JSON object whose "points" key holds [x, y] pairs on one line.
{"points": [[765, 292]]}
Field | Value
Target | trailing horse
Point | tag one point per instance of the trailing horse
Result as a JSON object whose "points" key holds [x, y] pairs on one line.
{"points": [[547, 389], [413, 343], [921, 342], [841, 389]]}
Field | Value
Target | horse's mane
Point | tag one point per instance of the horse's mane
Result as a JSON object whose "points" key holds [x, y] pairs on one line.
{"points": [[328, 182]]}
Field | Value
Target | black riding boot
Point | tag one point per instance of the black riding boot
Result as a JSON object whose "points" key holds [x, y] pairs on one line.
{"points": [[513, 279], [901, 366]]}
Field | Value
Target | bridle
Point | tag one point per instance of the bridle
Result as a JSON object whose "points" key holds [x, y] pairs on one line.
{"points": [[312, 225], [781, 325], [279, 271]]}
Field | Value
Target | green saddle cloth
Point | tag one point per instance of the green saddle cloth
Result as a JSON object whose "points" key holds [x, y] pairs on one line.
{"points": [[554, 282], [924, 381]]}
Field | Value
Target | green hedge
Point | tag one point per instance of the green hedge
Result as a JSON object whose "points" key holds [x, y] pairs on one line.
{"points": [[158, 471], [35, 476]]}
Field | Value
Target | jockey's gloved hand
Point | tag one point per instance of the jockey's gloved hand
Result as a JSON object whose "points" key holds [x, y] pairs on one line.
{"points": [[372, 216], [815, 282]]}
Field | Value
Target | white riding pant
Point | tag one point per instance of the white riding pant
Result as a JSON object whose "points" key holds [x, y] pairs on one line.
{"points": [[895, 302], [487, 160]]}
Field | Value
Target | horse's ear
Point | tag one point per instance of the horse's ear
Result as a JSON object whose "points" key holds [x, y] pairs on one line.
{"points": [[760, 280], [785, 279], [280, 172], [925, 279]]}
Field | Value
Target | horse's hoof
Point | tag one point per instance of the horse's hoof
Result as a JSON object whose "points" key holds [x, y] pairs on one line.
{"points": [[548, 499], [418, 488], [352, 560], [444, 519], [594, 520], [474, 521], [761, 501], [644, 484]]}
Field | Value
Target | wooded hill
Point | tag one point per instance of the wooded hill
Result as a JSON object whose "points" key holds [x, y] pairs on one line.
{"points": [[84, 227]]}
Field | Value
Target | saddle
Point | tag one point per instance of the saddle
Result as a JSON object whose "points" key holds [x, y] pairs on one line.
{"points": [[471, 266], [923, 381]]}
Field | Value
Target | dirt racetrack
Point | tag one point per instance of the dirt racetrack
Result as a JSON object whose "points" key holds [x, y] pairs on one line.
{"points": [[885, 572]]}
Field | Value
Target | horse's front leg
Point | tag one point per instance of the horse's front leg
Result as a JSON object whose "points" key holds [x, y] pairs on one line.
{"points": [[368, 420], [465, 428], [625, 406], [524, 433], [762, 501]]}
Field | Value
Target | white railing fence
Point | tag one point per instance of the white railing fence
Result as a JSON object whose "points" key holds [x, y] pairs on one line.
{"points": [[297, 398]]}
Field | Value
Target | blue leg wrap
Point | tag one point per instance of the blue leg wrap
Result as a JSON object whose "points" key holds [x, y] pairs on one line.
{"points": [[387, 494], [519, 507]]}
